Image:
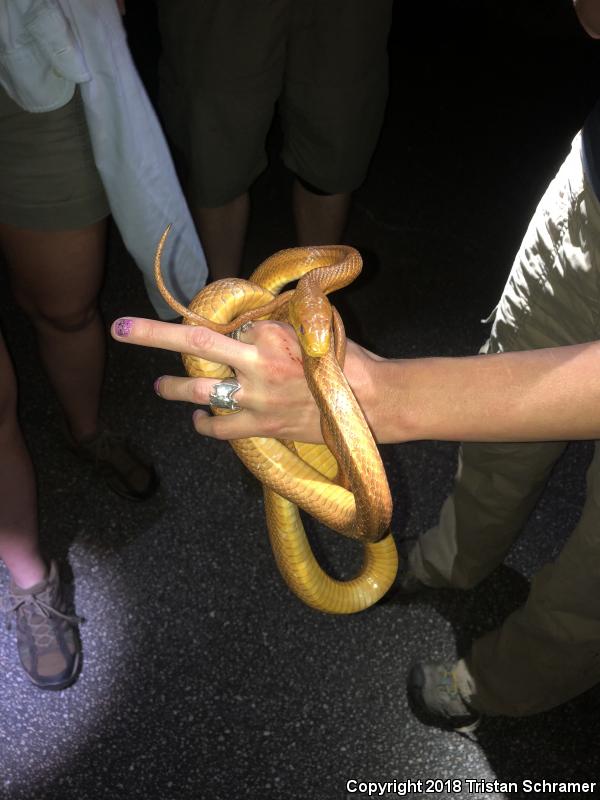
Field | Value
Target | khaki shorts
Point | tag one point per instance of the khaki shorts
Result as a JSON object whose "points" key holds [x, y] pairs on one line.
{"points": [[48, 179], [227, 63]]}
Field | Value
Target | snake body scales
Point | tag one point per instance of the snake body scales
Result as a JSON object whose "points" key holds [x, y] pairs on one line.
{"points": [[342, 483]]}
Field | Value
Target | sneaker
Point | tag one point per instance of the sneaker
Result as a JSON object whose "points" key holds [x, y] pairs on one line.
{"points": [[440, 695], [124, 470], [47, 637]]}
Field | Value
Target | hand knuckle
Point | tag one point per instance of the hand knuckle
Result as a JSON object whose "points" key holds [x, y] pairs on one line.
{"points": [[199, 338], [151, 330], [219, 431], [271, 428], [197, 392]]}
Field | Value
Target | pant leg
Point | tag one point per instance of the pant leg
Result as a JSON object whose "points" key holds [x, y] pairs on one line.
{"points": [[221, 73], [551, 298], [548, 651], [495, 490], [332, 104]]}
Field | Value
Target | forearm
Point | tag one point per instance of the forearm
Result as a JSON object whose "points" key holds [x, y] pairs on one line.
{"points": [[550, 394], [588, 12]]}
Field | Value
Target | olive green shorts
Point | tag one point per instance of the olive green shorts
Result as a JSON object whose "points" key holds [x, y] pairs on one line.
{"points": [[226, 64], [48, 179]]}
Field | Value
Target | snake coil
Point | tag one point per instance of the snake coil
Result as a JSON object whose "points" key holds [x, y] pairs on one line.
{"points": [[341, 483]]}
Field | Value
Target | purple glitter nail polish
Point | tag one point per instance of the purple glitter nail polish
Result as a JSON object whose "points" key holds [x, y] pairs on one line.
{"points": [[123, 327]]}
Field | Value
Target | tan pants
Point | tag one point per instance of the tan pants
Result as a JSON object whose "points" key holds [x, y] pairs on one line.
{"points": [[548, 651]]}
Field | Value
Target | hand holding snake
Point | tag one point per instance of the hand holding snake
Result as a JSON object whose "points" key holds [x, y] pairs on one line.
{"points": [[306, 475]]}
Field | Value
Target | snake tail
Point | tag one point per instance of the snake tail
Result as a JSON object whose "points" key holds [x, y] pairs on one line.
{"points": [[262, 307]]}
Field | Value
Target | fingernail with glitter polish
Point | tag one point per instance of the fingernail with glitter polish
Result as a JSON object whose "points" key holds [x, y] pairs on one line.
{"points": [[123, 327]]}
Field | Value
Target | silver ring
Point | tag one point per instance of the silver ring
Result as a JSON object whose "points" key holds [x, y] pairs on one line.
{"points": [[237, 333], [221, 395]]}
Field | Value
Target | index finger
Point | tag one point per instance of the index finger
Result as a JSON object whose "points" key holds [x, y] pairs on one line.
{"points": [[194, 340]]}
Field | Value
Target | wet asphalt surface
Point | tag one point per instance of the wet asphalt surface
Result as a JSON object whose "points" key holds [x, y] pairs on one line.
{"points": [[203, 677]]}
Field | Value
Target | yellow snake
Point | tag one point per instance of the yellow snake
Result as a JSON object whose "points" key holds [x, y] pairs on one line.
{"points": [[342, 483]]}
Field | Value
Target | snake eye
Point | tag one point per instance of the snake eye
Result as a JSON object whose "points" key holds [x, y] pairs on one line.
{"points": [[302, 329]]}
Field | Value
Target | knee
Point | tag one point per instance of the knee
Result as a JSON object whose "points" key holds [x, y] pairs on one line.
{"points": [[67, 318]]}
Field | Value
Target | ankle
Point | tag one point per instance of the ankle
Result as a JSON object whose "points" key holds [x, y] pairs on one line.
{"points": [[26, 577], [82, 433]]}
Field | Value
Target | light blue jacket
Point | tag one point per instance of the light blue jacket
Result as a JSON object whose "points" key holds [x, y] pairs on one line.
{"points": [[49, 46]]}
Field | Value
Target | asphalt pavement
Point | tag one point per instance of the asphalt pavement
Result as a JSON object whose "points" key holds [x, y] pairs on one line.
{"points": [[203, 676]]}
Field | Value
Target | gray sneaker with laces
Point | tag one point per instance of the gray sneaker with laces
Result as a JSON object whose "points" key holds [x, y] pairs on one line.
{"points": [[440, 695], [47, 637]]}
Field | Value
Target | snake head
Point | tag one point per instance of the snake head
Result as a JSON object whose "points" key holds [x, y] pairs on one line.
{"points": [[311, 317]]}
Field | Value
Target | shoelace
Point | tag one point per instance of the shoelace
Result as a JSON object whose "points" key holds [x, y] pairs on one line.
{"points": [[448, 685], [33, 604]]}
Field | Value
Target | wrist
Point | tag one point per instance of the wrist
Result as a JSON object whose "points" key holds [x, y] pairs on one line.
{"points": [[391, 409], [381, 388]]}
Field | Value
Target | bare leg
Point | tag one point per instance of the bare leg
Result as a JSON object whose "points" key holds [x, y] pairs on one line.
{"points": [[320, 219], [56, 277], [222, 232], [18, 510]]}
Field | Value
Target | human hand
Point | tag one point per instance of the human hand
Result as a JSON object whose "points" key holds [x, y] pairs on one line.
{"points": [[274, 397]]}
